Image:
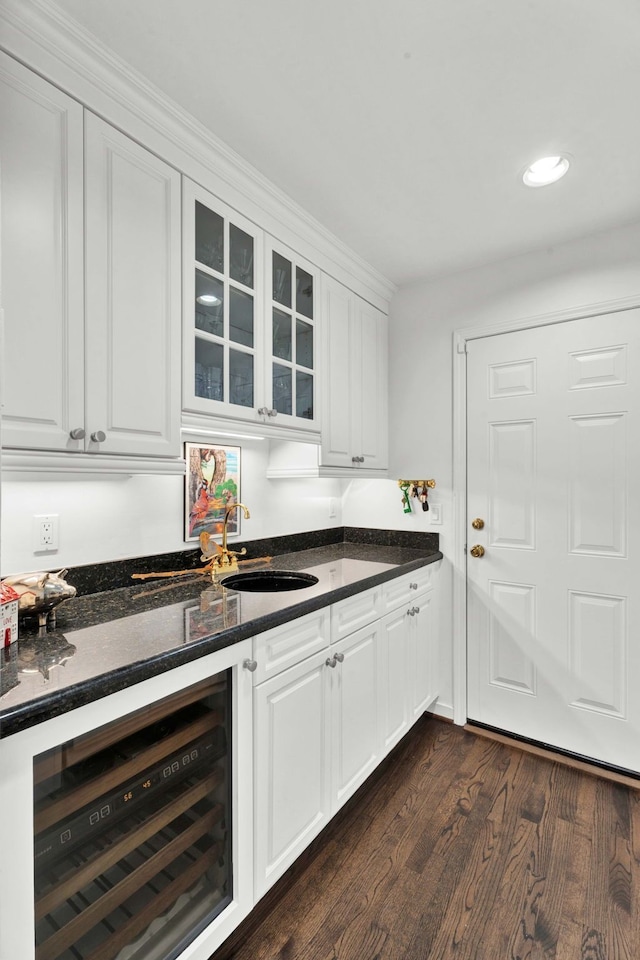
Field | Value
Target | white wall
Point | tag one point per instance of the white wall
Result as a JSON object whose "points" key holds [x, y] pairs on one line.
{"points": [[137, 516], [599, 268]]}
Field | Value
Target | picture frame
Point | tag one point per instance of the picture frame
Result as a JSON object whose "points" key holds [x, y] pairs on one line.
{"points": [[212, 483]]}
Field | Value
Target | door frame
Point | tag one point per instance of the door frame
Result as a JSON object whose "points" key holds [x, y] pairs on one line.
{"points": [[461, 336]]}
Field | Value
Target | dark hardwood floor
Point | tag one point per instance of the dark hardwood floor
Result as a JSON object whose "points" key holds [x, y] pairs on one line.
{"points": [[461, 848]]}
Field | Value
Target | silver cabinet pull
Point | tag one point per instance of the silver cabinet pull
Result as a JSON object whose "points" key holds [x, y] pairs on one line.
{"points": [[339, 657], [250, 665], [98, 436], [77, 434], [330, 662]]}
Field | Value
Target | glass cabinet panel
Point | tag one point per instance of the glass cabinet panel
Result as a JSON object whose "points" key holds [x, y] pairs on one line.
{"points": [[281, 279], [209, 304], [209, 370], [241, 317], [293, 333], [241, 378], [209, 238], [304, 292], [281, 334], [241, 245]]}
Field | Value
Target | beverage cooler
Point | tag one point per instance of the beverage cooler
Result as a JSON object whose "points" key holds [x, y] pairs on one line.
{"points": [[139, 828]]}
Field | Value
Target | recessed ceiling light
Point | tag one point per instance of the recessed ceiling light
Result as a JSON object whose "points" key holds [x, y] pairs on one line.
{"points": [[545, 171], [208, 299]]}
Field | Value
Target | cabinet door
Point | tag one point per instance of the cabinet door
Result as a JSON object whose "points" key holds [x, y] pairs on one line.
{"points": [[292, 339], [223, 349], [420, 652], [339, 388], [291, 751], [372, 359], [42, 261], [354, 711], [355, 391], [132, 296], [394, 676]]}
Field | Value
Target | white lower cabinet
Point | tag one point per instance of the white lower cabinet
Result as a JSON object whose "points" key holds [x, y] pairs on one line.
{"points": [[291, 751], [323, 724]]}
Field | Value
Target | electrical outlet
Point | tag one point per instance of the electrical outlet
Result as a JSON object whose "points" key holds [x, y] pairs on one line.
{"points": [[45, 533], [333, 507]]}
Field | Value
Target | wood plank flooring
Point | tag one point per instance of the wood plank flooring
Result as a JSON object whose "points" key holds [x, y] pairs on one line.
{"points": [[462, 848]]}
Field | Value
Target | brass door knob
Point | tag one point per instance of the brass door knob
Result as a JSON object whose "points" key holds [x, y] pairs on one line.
{"points": [[477, 551], [478, 523]]}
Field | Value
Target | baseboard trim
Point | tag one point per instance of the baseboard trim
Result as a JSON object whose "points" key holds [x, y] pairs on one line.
{"points": [[557, 756]]}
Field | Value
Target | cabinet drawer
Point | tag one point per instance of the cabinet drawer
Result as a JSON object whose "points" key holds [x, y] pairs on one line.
{"points": [[402, 590], [282, 647], [355, 612]]}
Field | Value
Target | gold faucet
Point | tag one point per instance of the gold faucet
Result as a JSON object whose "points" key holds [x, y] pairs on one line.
{"points": [[222, 560]]}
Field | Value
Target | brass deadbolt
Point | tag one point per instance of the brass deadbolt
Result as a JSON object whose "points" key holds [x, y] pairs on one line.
{"points": [[478, 523], [477, 550]]}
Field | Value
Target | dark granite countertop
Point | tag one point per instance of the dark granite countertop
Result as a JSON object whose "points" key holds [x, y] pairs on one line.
{"points": [[107, 641]]}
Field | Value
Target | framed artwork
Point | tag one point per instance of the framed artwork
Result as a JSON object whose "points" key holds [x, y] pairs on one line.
{"points": [[212, 483]]}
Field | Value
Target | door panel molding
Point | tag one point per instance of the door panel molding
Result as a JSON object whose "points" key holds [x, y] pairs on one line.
{"points": [[459, 558]]}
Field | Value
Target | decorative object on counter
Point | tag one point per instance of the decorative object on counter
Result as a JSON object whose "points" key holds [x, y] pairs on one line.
{"points": [[415, 488], [39, 594], [212, 484], [9, 600]]}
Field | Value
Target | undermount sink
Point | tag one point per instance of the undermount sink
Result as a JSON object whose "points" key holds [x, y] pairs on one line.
{"points": [[269, 581]]}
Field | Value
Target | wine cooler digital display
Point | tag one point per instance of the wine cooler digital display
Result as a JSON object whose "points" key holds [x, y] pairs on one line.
{"points": [[132, 828]]}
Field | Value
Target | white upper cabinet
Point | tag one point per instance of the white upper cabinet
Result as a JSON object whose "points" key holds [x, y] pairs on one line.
{"points": [[223, 311], [292, 342], [92, 319], [249, 321], [355, 427], [42, 261], [132, 296]]}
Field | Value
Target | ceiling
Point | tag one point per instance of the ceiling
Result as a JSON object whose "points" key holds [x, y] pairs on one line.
{"points": [[404, 126]]}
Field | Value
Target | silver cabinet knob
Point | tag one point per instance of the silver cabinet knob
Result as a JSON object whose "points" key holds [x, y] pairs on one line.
{"points": [[272, 413], [413, 586], [98, 436], [357, 459], [77, 434], [250, 665], [410, 612], [417, 609], [330, 662], [263, 411], [339, 657]]}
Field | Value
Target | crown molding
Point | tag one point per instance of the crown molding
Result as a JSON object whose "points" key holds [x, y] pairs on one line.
{"points": [[47, 40]]}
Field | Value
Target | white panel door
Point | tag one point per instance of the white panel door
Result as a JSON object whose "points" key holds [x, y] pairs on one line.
{"points": [[554, 472], [42, 261], [339, 387], [133, 330]]}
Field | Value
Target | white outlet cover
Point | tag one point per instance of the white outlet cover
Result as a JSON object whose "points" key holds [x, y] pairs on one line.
{"points": [[45, 542], [435, 512]]}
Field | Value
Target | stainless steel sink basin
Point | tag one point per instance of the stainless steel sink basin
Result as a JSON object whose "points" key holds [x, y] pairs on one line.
{"points": [[269, 581]]}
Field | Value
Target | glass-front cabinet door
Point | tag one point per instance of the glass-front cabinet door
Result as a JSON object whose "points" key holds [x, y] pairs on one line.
{"points": [[293, 344], [224, 318]]}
